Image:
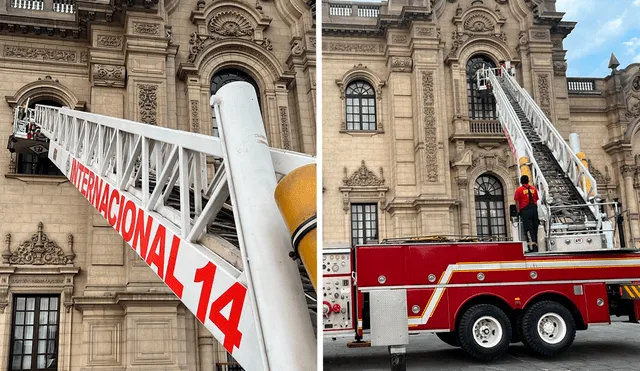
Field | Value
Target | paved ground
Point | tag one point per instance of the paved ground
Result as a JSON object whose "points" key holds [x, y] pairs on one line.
{"points": [[610, 348]]}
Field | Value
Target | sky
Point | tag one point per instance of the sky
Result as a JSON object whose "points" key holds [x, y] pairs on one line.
{"points": [[604, 26]]}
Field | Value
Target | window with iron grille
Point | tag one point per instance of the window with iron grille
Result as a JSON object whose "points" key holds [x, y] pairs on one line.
{"points": [[223, 78], [490, 213], [361, 106], [34, 333], [482, 104], [364, 223]]}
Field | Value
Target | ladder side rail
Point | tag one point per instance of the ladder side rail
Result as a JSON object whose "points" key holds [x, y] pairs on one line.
{"points": [[510, 120], [565, 156], [264, 238]]}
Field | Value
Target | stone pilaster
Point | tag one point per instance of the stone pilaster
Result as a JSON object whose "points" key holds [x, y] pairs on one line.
{"points": [[300, 60]]}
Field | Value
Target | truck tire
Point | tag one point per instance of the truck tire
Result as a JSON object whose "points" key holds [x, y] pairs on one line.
{"points": [[450, 338], [548, 328], [484, 332]]}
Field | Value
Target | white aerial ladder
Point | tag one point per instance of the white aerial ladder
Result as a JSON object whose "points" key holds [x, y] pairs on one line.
{"points": [[569, 206], [155, 188]]}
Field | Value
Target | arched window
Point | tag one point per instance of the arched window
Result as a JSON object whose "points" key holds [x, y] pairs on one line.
{"points": [[32, 156], [361, 106], [482, 104], [490, 214], [222, 78]]}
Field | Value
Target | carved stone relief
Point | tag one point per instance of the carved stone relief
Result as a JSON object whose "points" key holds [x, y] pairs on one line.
{"points": [[146, 28], [195, 117], [429, 122], [597, 175], [545, 94], [539, 35], [456, 93], [363, 184], [363, 177], [148, 103], [560, 68], [401, 64], [479, 23], [489, 160], [352, 48], [108, 75], [230, 23], [421, 31], [39, 54], [633, 99], [39, 250], [109, 41], [399, 39], [284, 127]]}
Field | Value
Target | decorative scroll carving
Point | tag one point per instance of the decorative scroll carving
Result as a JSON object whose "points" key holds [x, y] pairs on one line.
{"points": [[401, 64], [352, 48], [429, 121], [109, 41], [284, 124], [108, 75], [84, 57], [146, 28], [560, 68], [636, 84], [195, 116], [462, 182], [363, 177], [39, 54], [148, 102], [312, 43], [399, 39], [597, 175], [297, 48], [39, 250], [523, 39], [4, 298], [545, 97], [230, 23]]}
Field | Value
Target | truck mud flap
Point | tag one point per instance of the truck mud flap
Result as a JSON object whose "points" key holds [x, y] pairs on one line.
{"points": [[631, 292]]}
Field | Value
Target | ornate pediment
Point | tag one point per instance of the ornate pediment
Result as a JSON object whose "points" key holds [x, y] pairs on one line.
{"points": [[476, 22], [38, 250], [363, 177]]}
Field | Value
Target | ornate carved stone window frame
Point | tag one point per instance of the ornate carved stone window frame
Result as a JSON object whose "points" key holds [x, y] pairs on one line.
{"points": [[38, 266], [364, 186], [361, 72]]}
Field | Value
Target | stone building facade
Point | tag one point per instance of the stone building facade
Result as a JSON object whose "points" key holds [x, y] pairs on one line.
{"points": [[66, 277], [411, 147]]}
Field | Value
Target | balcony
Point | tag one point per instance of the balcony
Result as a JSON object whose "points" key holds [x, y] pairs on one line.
{"points": [[343, 14], [582, 86], [478, 130]]}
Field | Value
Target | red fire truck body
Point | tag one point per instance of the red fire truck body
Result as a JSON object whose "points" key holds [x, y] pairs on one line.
{"points": [[444, 282]]}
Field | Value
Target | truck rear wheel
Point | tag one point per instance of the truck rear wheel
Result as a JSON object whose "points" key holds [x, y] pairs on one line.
{"points": [[548, 328], [450, 338], [484, 332]]}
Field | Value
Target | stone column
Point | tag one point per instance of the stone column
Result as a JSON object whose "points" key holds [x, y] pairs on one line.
{"points": [[299, 61], [172, 111], [205, 348], [627, 172]]}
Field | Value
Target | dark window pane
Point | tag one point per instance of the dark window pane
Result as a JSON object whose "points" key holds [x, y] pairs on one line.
{"points": [[490, 212]]}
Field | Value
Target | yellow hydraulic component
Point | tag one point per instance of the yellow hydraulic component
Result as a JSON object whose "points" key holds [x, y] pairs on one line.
{"points": [[296, 199], [583, 158], [524, 168]]}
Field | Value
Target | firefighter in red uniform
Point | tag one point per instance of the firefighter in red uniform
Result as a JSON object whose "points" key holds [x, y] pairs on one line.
{"points": [[526, 198]]}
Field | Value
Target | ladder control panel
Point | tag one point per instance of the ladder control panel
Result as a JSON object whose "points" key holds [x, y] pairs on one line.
{"points": [[337, 292]]}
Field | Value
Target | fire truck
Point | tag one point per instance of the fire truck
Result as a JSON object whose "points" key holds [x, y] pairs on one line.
{"points": [[482, 296]]}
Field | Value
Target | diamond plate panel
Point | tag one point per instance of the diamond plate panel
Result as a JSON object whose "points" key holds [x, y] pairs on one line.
{"points": [[389, 321]]}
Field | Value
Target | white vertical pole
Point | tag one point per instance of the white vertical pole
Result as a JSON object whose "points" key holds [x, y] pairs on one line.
{"points": [[574, 142], [272, 276]]}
